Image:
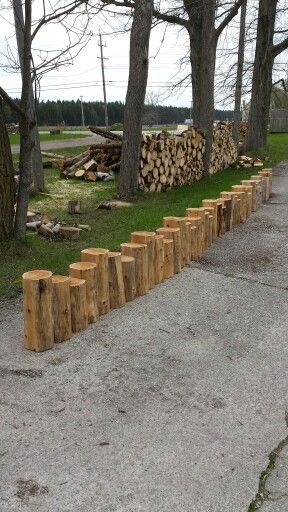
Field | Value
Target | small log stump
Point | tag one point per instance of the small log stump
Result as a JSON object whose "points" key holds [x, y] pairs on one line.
{"points": [[159, 259], [227, 212], [235, 206], [79, 309], [38, 311], [168, 258], [61, 308], [173, 234], [268, 172], [259, 189], [147, 238], [266, 177], [140, 253], [128, 270], [87, 271], [100, 257], [116, 282], [74, 206]]}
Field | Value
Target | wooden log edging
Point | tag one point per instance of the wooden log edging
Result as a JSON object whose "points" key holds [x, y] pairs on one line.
{"points": [[55, 307]]}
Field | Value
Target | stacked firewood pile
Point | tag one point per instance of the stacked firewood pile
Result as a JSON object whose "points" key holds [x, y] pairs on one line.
{"points": [[171, 160], [224, 151], [97, 162]]}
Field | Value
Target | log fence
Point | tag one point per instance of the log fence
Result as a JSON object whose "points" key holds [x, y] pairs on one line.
{"points": [[56, 307]]}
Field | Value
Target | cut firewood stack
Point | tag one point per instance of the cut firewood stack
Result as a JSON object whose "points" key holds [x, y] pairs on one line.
{"points": [[168, 160], [224, 150], [55, 307]]}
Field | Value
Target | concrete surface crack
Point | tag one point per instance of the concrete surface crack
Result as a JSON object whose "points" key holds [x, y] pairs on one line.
{"points": [[241, 278], [263, 493]]}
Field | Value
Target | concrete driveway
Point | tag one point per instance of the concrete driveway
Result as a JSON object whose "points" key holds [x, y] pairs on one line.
{"points": [[171, 404]]}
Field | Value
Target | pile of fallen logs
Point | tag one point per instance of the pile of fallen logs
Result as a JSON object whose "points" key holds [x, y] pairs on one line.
{"points": [[53, 229], [56, 306], [224, 150], [171, 160]]}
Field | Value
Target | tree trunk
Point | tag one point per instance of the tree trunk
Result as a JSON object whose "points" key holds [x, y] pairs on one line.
{"points": [[7, 187], [135, 97], [239, 78], [203, 44], [37, 164], [262, 76], [25, 130]]}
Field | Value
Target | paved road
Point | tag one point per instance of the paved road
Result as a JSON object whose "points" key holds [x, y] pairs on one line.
{"points": [[49, 145], [173, 403]]}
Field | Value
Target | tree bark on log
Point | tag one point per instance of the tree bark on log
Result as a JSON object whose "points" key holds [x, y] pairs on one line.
{"points": [[7, 186], [136, 91]]}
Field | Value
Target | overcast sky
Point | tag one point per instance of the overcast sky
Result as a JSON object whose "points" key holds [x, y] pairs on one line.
{"points": [[84, 76]]}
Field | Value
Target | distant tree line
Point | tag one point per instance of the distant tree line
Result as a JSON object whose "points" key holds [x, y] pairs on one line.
{"points": [[51, 113]]}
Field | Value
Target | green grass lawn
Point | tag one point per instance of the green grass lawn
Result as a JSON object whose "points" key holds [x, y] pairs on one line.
{"points": [[15, 137], [109, 228]]}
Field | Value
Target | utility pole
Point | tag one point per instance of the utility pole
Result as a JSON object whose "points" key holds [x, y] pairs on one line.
{"points": [[82, 111], [103, 80]]}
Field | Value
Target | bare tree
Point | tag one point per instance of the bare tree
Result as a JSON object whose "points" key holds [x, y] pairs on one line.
{"points": [[136, 91], [30, 72], [239, 78], [7, 189], [37, 164], [265, 55]]}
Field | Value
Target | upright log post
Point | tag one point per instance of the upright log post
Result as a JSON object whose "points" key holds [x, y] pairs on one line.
{"points": [[38, 311], [100, 257], [212, 203], [168, 258], [147, 238], [179, 222], [269, 173], [246, 198], [235, 206], [266, 177], [128, 270], [140, 253], [173, 234], [198, 224], [116, 282], [195, 213], [79, 309], [159, 259], [227, 203], [194, 248], [252, 187], [87, 271], [61, 308], [260, 188]]}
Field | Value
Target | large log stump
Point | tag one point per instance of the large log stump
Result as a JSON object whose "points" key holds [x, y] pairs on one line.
{"points": [[235, 206], [266, 177], [79, 309], [87, 271], [227, 204], [198, 224], [259, 188], [100, 257], [147, 238], [140, 253], [61, 308], [168, 258], [38, 311], [128, 270], [173, 234], [116, 282], [246, 198]]}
